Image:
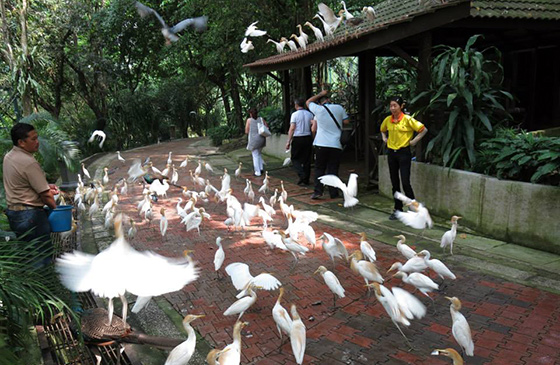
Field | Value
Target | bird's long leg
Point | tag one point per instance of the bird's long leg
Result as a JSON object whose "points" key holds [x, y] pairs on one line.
{"points": [[295, 262], [110, 309], [402, 333], [333, 264], [124, 308]]}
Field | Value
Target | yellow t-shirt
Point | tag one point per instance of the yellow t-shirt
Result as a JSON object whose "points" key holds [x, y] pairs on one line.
{"points": [[401, 130]]}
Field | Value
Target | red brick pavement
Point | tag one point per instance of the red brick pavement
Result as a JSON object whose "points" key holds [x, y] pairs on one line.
{"points": [[511, 323]]}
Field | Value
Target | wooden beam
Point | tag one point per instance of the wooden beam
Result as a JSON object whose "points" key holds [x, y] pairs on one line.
{"points": [[402, 54], [279, 80], [286, 100], [366, 83]]}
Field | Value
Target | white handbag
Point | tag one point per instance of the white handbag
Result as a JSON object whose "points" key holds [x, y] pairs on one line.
{"points": [[263, 129]]}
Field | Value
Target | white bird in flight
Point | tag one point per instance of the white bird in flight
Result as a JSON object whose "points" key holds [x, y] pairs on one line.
{"points": [[98, 134], [347, 190], [246, 45], [252, 31], [170, 34], [418, 217]]}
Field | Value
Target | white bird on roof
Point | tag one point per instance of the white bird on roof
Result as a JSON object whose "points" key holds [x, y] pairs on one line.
{"points": [[279, 45], [316, 31], [98, 134], [347, 14], [334, 181], [241, 278], [418, 217], [369, 12], [329, 20], [300, 41], [292, 45], [448, 237], [170, 33], [302, 34], [246, 45], [252, 31]]}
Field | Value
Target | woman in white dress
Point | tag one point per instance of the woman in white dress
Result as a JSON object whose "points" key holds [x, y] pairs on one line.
{"points": [[256, 141]]}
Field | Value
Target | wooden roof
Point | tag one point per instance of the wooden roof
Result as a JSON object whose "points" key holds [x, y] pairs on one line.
{"points": [[395, 23]]}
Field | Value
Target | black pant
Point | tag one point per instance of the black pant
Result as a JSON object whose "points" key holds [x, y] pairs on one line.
{"points": [[327, 162], [400, 160], [301, 157]]}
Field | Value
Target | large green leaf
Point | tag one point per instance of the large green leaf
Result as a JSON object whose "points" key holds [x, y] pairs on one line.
{"points": [[544, 170], [484, 119]]}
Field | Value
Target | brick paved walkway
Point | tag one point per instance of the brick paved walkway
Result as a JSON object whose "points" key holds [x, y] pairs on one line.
{"points": [[511, 323]]}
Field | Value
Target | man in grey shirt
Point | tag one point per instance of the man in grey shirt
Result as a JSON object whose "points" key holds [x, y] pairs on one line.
{"points": [[300, 141]]}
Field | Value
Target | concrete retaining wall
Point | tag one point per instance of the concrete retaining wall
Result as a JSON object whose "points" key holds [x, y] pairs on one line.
{"points": [[522, 213], [276, 146]]}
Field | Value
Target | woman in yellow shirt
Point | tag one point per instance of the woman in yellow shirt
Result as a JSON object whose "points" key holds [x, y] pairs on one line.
{"points": [[401, 128]]}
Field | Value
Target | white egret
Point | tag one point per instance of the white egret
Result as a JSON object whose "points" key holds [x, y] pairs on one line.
{"points": [[330, 21], [119, 157], [169, 159], [212, 357], [169, 33], [448, 237], [418, 217], [292, 45], [136, 170], [242, 279], [182, 353], [208, 167], [451, 353], [283, 193], [241, 305], [163, 222], [420, 281], [334, 247], [274, 198], [403, 248], [400, 305], [294, 248], [165, 171], [100, 135], [238, 170], [287, 161], [120, 268], [185, 162], [367, 270], [461, 329], [94, 207], [231, 354], [415, 264], [281, 316], [316, 31], [132, 230], [124, 188], [246, 45], [219, 256], [334, 181], [105, 179], [332, 282], [347, 14], [279, 45], [198, 169], [86, 172], [369, 12], [267, 208], [297, 335], [302, 34], [436, 265], [366, 248], [300, 41], [253, 31]]}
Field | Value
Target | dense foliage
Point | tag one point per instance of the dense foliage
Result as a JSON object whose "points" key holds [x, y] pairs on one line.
{"points": [[522, 156], [466, 93]]}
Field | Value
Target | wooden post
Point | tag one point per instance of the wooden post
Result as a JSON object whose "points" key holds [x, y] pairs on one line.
{"points": [[307, 84], [366, 84], [286, 100], [424, 79]]}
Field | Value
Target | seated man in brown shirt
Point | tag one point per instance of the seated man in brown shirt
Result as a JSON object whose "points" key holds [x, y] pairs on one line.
{"points": [[27, 190]]}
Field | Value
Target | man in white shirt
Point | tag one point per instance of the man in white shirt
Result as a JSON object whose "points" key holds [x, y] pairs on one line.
{"points": [[327, 125], [301, 141]]}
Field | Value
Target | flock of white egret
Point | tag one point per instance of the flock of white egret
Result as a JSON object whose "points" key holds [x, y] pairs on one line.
{"points": [[121, 268]]}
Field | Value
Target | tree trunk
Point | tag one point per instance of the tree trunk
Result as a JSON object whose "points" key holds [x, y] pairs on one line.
{"points": [[237, 108]]}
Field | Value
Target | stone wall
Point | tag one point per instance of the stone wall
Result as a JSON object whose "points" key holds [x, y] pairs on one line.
{"points": [[276, 146], [522, 213]]}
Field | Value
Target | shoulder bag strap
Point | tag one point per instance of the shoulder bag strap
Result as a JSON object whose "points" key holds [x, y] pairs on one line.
{"points": [[332, 116]]}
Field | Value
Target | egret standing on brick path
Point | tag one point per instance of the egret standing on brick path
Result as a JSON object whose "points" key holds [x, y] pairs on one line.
{"points": [[332, 282], [297, 335], [461, 329], [181, 354], [231, 354]]}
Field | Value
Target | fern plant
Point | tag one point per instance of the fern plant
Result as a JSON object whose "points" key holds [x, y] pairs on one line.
{"points": [[517, 155]]}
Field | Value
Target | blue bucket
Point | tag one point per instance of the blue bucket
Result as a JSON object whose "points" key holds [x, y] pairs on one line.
{"points": [[61, 218]]}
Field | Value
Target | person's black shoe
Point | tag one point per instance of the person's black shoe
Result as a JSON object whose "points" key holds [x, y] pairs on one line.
{"points": [[316, 196], [393, 216]]}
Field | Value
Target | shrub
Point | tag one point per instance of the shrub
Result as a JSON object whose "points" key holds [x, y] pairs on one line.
{"points": [[219, 133], [520, 156], [274, 118]]}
